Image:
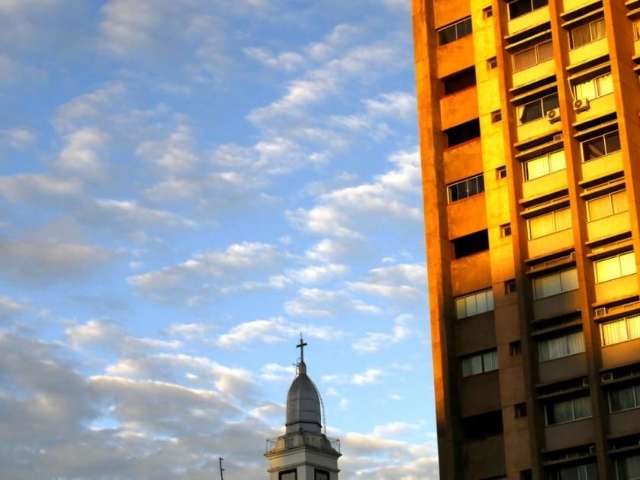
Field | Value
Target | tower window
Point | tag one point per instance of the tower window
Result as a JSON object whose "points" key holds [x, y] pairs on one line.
{"points": [[588, 33], [469, 244], [474, 304], [455, 31], [529, 57], [462, 133], [544, 165], [480, 363], [566, 411], [607, 205], [459, 81], [560, 346], [549, 223], [466, 188], [624, 397], [538, 108], [518, 8], [628, 467], [614, 267], [555, 283], [594, 87], [600, 146], [621, 330]]}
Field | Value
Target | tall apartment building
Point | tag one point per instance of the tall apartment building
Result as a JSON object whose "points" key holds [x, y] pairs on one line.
{"points": [[530, 139]]}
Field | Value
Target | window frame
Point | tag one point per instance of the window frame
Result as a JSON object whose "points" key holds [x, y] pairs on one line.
{"points": [[562, 290], [625, 319], [481, 356], [604, 136], [635, 387], [620, 265], [555, 223], [489, 300], [538, 60], [327, 475], [591, 34], [540, 100], [294, 471], [531, 3], [612, 204], [547, 157], [573, 411], [596, 87], [455, 26], [479, 180], [566, 337]]}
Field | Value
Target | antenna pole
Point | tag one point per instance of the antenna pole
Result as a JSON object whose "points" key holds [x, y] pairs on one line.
{"points": [[220, 459]]}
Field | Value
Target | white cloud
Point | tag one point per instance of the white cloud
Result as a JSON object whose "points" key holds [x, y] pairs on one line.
{"points": [[173, 154], [274, 372], [315, 302], [374, 341], [283, 61], [394, 429], [10, 307], [189, 331], [369, 376], [82, 153], [318, 273], [17, 188], [273, 330], [401, 105], [399, 281], [17, 138], [89, 107]]}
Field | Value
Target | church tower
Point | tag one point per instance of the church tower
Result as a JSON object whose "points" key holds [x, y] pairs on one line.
{"points": [[304, 452]]}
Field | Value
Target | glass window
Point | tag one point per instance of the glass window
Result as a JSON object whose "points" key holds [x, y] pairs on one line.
{"points": [[587, 33], [480, 363], [615, 267], [555, 283], [321, 475], [465, 188], [599, 146], [624, 398], [532, 56], [518, 8], [474, 304], [586, 471], [628, 468], [538, 108], [621, 330], [559, 347], [544, 165], [549, 223], [607, 205], [288, 475], [568, 410], [594, 87], [455, 31]]}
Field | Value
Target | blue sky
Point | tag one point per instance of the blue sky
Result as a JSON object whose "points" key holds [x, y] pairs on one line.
{"points": [[185, 186]]}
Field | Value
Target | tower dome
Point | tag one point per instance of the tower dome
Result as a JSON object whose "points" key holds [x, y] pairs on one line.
{"points": [[304, 412]]}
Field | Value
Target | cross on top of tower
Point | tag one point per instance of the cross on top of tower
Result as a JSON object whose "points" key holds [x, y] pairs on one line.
{"points": [[301, 346]]}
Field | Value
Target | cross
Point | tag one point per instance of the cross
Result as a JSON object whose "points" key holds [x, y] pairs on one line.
{"points": [[301, 346]]}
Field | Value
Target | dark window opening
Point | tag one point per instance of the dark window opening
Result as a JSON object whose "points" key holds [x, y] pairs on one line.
{"points": [[510, 287], [482, 426], [501, 172], [505, 231], [321, 475], [465, 188], [520, 410], [526, 475], [453, 32], [496, 116], [492, 63], [470, 244], [538, 108], [601, 146], [515, 348], [487, 12], [459, 81], [518, 8], [463, 132]]}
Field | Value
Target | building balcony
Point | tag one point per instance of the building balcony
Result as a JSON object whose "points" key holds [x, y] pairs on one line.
{"points": [[602, 166], [620, 354], [471, 273], [459, 107], [542, 70], [556, 305], [566, 435], [587, 52], [484, 458], [550, 243], [608, 226], [549, 183], [569, 5], [529, 20], [462, 161], [480, 394], [562, 368], [455, 56], [620, 287], [624, 423], [466, 216], [475, 333], [535, 128], [598, 107]]}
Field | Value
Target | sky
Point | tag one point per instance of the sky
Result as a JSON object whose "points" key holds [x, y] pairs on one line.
{"points": [[185, 187]]}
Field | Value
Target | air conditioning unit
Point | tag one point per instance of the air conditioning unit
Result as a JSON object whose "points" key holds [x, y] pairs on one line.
{"points": [[607, 377], [553, 115], [600, 312], [581, 105]]}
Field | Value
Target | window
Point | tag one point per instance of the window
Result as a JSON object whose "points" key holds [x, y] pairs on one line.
{"points": [[496, 116], [482, 426], [321, 475], [600, 146], [607, 205], [518, 8], [621, 330], [459, 81], [453, 32], [526, 475], [624, 398], [568, 410], [555, 283], [628, 468], [615, 267], [501, 172], [538, 108], [462, 133], [560, 347], [470, 244], [288, 475], [544, 165], [587, 33], [505, 231], [487, 12], [529, 57], [587, 471], [474, 304], [520, 410], [480, 363], [510, 287], [548, 223], [515, 348], [594, 87], [492, 63], [465, 188]]}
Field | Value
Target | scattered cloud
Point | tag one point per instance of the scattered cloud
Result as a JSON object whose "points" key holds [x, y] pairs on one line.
{"points": [[374, 341], [316, 302], [400, 281], [17, 138], [369, 376]]}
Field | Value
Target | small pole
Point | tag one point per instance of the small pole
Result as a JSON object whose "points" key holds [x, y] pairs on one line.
{"points": [[220, 459]]}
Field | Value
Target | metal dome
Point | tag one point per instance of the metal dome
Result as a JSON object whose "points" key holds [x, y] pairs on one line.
{"points": [[304, 411]]}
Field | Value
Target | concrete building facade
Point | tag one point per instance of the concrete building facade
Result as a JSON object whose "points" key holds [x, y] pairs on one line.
{"points": [[530, 131]]}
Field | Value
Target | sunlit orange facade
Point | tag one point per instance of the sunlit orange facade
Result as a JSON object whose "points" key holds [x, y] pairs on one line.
{"points": [[530, 141]]}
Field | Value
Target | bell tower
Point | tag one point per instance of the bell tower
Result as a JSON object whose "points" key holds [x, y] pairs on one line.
{"points": [[304, 452]]}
